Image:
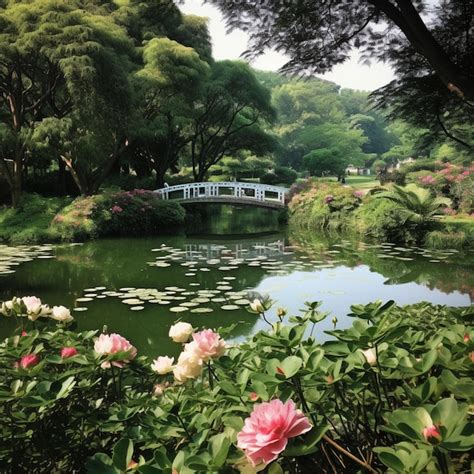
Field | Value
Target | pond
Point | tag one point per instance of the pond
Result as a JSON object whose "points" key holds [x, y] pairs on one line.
{"points": [[139, 287]]}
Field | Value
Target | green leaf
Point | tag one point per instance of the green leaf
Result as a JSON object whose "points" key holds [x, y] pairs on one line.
{"points": [[291, 365], [219, 448], [123, 452], [100, 463], [307, 444], [275, 468]]}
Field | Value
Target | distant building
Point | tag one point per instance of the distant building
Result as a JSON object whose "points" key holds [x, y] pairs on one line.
{"points": [[357, 170]]}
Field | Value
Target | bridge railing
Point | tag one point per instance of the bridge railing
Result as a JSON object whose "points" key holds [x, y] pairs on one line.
{"points": [[228, 189]]}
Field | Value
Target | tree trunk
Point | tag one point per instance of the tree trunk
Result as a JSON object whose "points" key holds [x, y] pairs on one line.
{"points": [[411, 24]]}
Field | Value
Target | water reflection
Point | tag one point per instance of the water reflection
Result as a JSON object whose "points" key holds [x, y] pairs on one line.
{"points": [[139, 287]]}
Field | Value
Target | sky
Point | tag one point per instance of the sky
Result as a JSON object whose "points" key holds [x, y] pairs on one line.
{"points": [[351, 74]]}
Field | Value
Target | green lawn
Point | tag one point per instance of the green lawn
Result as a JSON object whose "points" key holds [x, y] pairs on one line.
{"points": [[359, 182]]}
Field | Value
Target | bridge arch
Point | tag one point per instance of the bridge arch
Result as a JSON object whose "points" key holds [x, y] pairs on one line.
{"points": [[231, 192]]}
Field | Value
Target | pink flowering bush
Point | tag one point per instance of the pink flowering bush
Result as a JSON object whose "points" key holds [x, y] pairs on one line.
{"points": [[379, 394]]}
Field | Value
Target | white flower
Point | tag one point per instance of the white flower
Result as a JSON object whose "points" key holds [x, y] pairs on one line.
{"points": [[33, 307], [189, 365], [9, 304], [180, 332], [257, 306], [370, 355], [61, 313], [162, 365]]}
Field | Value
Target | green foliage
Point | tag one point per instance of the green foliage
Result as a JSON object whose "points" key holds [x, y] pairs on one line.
{"points": [[30, 221], [372, 390], [279, 175], [137, 212], [418, 207], [383, 221], [328, 206]]}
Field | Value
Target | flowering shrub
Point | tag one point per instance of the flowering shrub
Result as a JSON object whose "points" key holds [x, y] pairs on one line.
{"points": [[137, 212], [391, 392], [324, 206]]}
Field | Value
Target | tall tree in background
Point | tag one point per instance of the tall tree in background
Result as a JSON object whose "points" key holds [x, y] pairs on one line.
{"points": [[230, 117], [430, 48], [52, 55], [167, 87]]}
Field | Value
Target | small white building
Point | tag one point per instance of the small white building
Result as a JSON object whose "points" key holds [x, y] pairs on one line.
{"points": [[352, 170]]}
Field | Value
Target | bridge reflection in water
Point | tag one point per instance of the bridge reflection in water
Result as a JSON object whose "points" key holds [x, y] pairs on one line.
{"points": [[228, 192]]}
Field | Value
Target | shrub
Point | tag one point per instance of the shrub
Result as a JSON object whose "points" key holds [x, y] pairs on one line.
{"points": [[383, 221], [74, 222], [30, 222], [137, 212], [326, 206], [280, 175], [394, 176], [391, 391]]}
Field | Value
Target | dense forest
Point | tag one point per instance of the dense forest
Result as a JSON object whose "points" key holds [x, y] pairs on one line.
{"points": [[95, 93]]}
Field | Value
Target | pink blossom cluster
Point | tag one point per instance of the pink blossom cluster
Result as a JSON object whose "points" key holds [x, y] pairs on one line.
{"points": [[428, 180], [329, 198], [116, 209]]}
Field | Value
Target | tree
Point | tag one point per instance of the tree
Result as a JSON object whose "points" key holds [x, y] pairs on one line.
{"points": [[319, 35], [167, 87], [52, 55], [418, 96], [230, 117]]}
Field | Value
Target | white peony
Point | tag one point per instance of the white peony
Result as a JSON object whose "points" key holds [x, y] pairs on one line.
{"points": [[162, 365], [189, 366], [180, 332], [61, 313], [370, 355]]}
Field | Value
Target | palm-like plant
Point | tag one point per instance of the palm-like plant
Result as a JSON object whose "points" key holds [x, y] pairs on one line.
{"points": [[417, 206]]}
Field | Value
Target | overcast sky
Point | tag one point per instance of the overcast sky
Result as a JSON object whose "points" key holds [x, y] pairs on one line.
{"points": [[351, 74]]}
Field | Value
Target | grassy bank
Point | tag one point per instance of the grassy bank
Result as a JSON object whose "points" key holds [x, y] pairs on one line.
{"points": [[138, 212]]}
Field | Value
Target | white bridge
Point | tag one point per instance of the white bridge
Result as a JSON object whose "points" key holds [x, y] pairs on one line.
{"points": [[231, 192]]}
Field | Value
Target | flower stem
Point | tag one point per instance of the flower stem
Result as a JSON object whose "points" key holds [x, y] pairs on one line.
{"points": [[348, 454]]}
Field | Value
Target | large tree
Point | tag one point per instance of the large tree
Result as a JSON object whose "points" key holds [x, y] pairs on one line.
{"points": [[52, 55], [320, 34], [167, 86], [230, 117], [428, 43]]}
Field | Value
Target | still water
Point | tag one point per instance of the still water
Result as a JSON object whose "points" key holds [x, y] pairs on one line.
{"points": [[139, 287]]}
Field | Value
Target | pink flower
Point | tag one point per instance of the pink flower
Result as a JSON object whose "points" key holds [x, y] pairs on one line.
{"points": [[432, 434], [109, 344], [209, 344], [67, 352], [28, 361], [266, 432], [116, 209], [358, 194], [328, 199]]}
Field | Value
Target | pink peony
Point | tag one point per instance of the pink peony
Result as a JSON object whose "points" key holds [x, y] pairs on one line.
{"points": [[432, 434], [67, 352], [28, 361], [116, 210], [109, 344], [209, 344], [328, 199], [266, 432]]}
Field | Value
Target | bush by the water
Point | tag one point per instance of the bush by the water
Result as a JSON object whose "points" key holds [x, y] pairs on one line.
{"points": [[137, 212], [404, 215], [30, 222], [391, 392], [327, 206]]}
